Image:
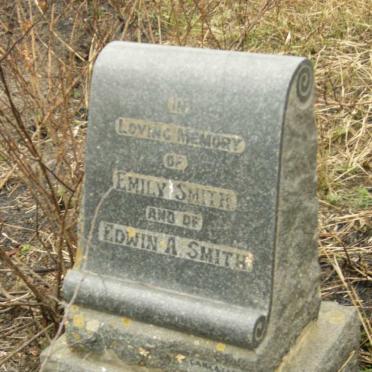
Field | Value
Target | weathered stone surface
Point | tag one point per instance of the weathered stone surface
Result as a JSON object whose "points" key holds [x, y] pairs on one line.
{"points": [[199, 215], [188, 200], [326, 345], [329, 344]]}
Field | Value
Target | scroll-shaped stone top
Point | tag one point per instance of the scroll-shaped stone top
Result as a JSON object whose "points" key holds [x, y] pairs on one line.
{"points": [[182, 195]]}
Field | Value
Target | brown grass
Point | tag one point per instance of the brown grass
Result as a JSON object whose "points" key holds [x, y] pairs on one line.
{"points": [[47, 50]]}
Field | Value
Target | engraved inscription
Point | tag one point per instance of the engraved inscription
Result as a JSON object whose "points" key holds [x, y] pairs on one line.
{"points": [[175, 161], [179, 135], [168, 189], [193, 221], [178, 105], [170, 245]]}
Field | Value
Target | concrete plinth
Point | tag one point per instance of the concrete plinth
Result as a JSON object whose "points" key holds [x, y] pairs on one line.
{"points": [[328, 344]]}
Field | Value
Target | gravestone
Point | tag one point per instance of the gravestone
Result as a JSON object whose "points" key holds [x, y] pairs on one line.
{"points": [[198, 248]]}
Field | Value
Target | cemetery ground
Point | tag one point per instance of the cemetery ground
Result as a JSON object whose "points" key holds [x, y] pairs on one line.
{"points": [[47, 50]]}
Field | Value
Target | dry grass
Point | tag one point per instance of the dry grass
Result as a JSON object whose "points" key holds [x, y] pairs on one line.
{"points": [[47, 50]]}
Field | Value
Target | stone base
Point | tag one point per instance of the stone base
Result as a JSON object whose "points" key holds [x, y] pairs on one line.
{"points": [[329, 344]]}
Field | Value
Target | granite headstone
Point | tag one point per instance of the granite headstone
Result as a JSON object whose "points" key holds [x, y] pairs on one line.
{"points": [[198, 246]]}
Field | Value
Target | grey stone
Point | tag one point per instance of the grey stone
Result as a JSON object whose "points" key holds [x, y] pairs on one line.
{"points": [[328, 344], [199, 213], [227, 118]]}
